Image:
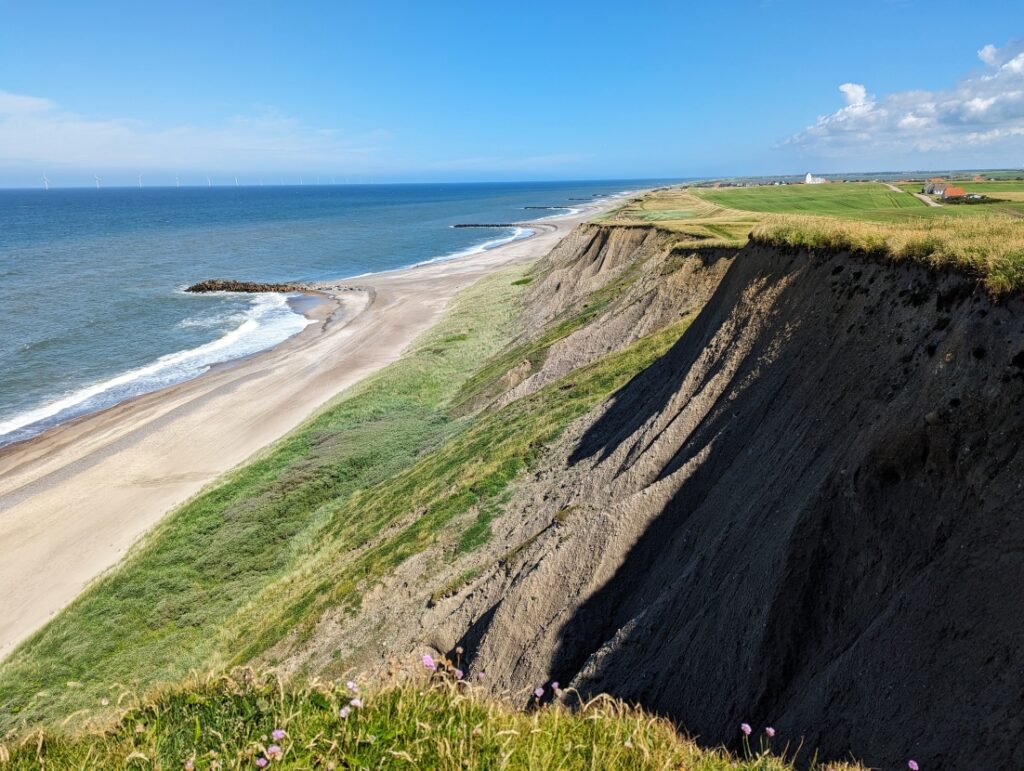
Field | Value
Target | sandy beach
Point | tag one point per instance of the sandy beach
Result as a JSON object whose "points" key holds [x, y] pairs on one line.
{"points": [[74, 499]]}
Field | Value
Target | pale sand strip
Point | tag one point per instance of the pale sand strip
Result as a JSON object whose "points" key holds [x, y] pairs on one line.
{"points": [[74, 499]]}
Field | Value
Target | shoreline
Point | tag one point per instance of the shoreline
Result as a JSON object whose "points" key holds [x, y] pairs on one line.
{"points": [[80, 494]]}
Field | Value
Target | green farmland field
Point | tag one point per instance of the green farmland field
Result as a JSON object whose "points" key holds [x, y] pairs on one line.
{"points": [[867, 200]]}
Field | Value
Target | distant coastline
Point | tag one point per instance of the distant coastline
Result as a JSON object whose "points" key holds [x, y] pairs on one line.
{"points": [[123, 467], [251, 324]]}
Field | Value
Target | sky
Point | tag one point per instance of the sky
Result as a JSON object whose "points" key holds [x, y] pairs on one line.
{"points": [[471, 91]]}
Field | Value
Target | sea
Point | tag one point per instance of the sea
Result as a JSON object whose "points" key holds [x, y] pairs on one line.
{"points": [[92, 307]]}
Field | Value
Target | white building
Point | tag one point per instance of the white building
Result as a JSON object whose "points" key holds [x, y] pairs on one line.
{"points": [[810, 179]]}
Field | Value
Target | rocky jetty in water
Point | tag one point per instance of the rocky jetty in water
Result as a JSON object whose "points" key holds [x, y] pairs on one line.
{"points": [[230, 285]]}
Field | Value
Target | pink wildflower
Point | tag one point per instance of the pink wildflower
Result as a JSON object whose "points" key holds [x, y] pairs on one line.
{"points": [[912, 765], [278, 734], [428, 662], [344, 712], [770, 731], [554, 686], [356, 703], [274, 752], [262, 762], [190, 765], [480, 676], [351, 685], [745, 727], [538, 692], [458, 674]]}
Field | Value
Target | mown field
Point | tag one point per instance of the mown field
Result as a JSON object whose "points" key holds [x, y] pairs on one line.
{"points": [[857, 200]]}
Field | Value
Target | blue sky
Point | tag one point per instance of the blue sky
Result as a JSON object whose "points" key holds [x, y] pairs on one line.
{"points": [[421, 91]]}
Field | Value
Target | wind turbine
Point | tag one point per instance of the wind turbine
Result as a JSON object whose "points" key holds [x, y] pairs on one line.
{"points": [[300, 180], [140, 182], [236, 180], [97, 178], [208, 182], [46, 183]]}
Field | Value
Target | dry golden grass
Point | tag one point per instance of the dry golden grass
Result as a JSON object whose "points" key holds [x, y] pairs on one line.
{"points": [[987, 244], [989, 247]]}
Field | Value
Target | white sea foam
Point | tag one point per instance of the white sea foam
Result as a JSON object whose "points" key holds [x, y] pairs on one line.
{"points": [[268, 321]]}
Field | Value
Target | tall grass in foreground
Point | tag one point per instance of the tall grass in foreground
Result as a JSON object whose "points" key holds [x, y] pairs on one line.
{"points": [[429, 721], [989, 247]]}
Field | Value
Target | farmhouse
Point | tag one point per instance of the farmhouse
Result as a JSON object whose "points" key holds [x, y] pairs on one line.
{"points": [[951, 191], [934, 187]]}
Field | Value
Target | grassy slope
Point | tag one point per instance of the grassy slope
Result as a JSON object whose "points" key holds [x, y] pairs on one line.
{"points": [[260, 556], [462, 481], [228, 723], [158, 615]]}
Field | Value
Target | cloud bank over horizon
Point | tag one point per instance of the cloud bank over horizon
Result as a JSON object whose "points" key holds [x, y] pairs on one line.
{"points": [[38, 137], [36, 132], [979, 120]]}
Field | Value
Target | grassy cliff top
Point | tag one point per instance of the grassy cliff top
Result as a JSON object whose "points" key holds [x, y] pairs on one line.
{"points": [[423, 721], [983, 240]]}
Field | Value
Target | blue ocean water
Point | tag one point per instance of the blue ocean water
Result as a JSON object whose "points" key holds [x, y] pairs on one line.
{"points": [[91, 307]]}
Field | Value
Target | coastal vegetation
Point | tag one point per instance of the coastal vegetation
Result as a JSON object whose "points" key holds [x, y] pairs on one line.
{"points": [[432, 720], [988, 248], [418, 463], [159, 614], [868, 218], [262, 555]]}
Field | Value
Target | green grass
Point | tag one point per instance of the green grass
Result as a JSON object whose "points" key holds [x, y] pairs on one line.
{"points": [[159, 614], [860, 200], [378, 476], [469, 473], [228, 723]]}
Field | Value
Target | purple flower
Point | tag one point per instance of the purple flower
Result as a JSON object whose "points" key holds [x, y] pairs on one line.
{"points": [[745, 727], [356, 703], [428, 662], [278, 734], [274, 752], [912, 765], [458, 674], [480, 676], [344, 712], [554, 686], [770, 731], [351, 685], [262, 762], [538, 692]]}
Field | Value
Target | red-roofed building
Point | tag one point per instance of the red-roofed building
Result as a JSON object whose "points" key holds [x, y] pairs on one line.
{"points": [[954, 192]]}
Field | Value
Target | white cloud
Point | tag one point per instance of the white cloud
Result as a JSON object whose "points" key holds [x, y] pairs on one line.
{"points": [[36, 132], [855, 93], [17, 104], [980, 115]]}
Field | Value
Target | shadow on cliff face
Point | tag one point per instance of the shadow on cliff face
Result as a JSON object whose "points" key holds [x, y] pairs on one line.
{"points": [[841, 551]]}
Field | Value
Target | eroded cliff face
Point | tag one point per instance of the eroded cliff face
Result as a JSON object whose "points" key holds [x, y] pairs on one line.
{"points": [[807, 513]]}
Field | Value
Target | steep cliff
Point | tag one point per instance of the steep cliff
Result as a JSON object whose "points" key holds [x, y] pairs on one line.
{"points": [[806, 512]]}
